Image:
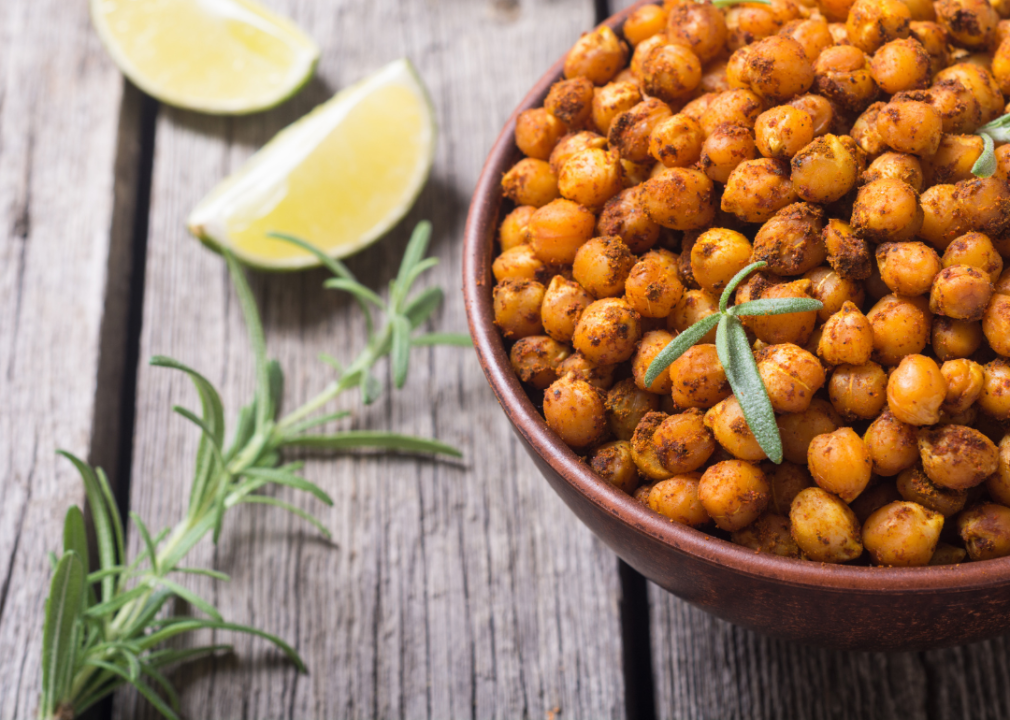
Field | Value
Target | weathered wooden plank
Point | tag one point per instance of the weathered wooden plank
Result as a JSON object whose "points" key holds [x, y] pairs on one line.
{"points": [[449, 590], [65, 221], [706, 668]]}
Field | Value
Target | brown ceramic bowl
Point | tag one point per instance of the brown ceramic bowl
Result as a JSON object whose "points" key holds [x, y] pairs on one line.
{"points": [[845, 607]]}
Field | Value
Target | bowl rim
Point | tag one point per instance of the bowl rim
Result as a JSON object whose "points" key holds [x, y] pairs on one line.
{"points": [[478, 254]]}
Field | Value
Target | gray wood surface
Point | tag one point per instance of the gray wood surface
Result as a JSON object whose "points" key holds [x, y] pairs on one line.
{"points": [[450, 589], [64, 231]]}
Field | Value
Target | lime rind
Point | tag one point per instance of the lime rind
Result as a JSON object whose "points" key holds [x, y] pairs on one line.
{"points": [[244, 191], [299, 72]]}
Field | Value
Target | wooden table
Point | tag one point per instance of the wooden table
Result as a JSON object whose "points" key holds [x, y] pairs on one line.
{"points": [[450, 589]]}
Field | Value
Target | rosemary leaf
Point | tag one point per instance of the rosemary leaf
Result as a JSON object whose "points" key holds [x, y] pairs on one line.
{"points": [[400, 353], [75, 537], [301, 427], [143, 688], [775, 306], [417, 246], [275, 502], [190, 624], [354, 439], [206, 572], [356, 289], [985, 166], [741, 370], [163, 683], [161, 658], [456, 339], [291, 480], [680, 345], [101, 521], [191, 597], [152, 550], [420, 308], [264, 409], [59, 630], [735, 281], [210, 400]]}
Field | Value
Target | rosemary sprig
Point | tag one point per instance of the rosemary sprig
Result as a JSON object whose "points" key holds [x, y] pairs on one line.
{"points": [[105, 628], [737, 357], [996, 131]]}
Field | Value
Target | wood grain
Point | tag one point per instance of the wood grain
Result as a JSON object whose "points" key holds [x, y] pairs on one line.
{"points": [[65, 218], [450, 589]]}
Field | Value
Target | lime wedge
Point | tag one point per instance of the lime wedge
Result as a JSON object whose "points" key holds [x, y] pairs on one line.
{"points": [[340, 177], [214, 56]]}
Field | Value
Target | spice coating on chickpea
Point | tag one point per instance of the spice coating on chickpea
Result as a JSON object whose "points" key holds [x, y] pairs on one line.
{"points": [[985, 531], [677, 498], [791, 240], [613, 463], [840, 463], [847, 253], [791, 375], [602, 265], [683, 443], [782, 131], [536, 358], [902, 534], [727, 422], [887, 210], [957, 457], [768, 534], [559, 229], [893, 445], [847, 337], [757, 189], [574, 409], [607, 331], [652, 343], [734, 493], [915, 486], [679, 199], [563, 303], [826, 169], [960, 292], [653, 286], [915, 390], [908, 268], [824, 527]]}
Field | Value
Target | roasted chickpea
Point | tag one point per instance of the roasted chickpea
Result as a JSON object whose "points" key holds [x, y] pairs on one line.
{"points": [[574, 410], [591, 177], [677, 141], [517, 308], [683, 443], [996, 323], [847, 338], [840, 463], [602, 266], [734, 493], [998, 484], [782, 131], [961, 292], [679, 199], [842, 74], [653, 287], [778, 68], [1001, 67], [731, 431], [954, 159], [757, 189], [530, 182], [995, 397], [970, 23], [902, 534], [957, 457], [964, 384], [790, 241], [714, 78], [976, 250], [564, 301], [697, 108], [960, 111], [915, 391], [519, 263], [624, 217], [785, 481], [887, 211], [793, 328], [933, 39], [598, 55], [822, 113], [791, 375], [985, 530], [871, 23], [611, 100], [607, 331], [943, 217], [955, 338], [858, 391], [598, 375], [768, 534], [512, 232], [701, 27], [633, 72], [947, 554], [613, 463], [833, 291], [985, 203], [812, 34], [900, 65], [717, 256], [724, 149], [901, 327], [537, 132], [651, 345], [670, 72], [749, 22], [734, 107], [910, 126], [677, 499], [571, 101], [979, 83], [645, 22], [899, 166], [559, 229], [864, 133], [799, 429], [922, 10], [630, 130], [915, 486], [694, 306], [626, 405], [826, 169], [571, 145], [847, 253], [835, 10], [824, 527], [892, 444], [908, 268], [643, 449], [872, 499], [697, 378], [536, 358], [641, 494]]}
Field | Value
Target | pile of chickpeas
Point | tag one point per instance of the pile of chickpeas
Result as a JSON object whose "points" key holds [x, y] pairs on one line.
{"points": [[833, 140]]}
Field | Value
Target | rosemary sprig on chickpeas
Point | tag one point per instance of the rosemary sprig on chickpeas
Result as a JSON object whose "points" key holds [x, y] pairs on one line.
{"points": [[755, 264]]}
